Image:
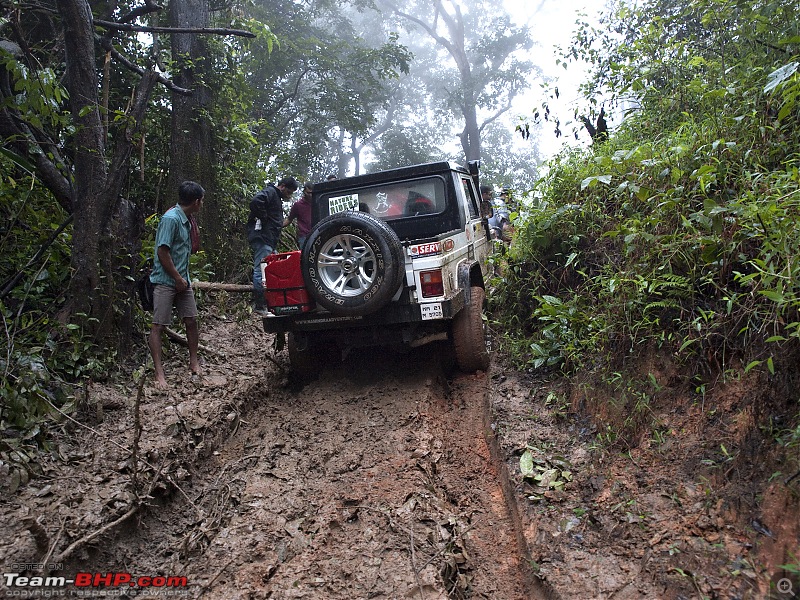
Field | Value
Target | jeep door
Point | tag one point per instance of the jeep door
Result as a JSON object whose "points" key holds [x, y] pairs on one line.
{"points": [[475, 228]]}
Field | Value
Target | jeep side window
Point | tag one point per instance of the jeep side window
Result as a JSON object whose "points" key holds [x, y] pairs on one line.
{"points": [[469, 193]]}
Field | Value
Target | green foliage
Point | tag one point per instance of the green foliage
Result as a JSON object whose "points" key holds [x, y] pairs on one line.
{"points": [[324, 78], [543, 472], [38, 95], [42, 358], [679, 231], [402, 146]]}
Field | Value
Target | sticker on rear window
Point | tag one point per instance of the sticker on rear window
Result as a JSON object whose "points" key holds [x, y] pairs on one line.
{"points": [[339, 204]]}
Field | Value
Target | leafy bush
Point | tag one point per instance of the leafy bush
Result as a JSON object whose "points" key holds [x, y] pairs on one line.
{"points": [[43, 358], [678, 231]]}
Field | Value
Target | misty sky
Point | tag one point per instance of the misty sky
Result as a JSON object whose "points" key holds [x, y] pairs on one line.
{"points": [[552, 23]]}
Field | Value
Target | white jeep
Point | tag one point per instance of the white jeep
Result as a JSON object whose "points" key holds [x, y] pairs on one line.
{"points": [[394, 258]]}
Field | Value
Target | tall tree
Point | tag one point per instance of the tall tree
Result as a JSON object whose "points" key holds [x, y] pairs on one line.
{"points": [[479, 72], [402, 146], [82, 155], [96, 179], [192, 154], [324, 88]]}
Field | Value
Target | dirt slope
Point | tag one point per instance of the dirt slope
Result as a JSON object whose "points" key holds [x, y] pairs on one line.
{"points": [[696, 506], [374, 481], [391, 477]]}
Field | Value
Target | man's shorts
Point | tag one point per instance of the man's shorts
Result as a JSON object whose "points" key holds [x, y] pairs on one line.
{"points": [[164, 296]]}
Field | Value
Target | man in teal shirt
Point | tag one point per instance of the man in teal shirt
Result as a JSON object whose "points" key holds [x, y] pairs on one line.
{"points": [[170, 276]]}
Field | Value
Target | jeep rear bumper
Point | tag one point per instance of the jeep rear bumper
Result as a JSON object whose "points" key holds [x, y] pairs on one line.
{"points": [[392, 318]]}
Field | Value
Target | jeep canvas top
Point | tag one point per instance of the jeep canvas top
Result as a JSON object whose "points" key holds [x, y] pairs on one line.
{"points": [[393, 258]]}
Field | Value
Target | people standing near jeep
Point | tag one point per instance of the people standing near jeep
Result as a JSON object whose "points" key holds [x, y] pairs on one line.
{"points": [[495, 217], [486, 201], [301, 210], [170, 276], [500, 220], [504, 207], [264, 230]]}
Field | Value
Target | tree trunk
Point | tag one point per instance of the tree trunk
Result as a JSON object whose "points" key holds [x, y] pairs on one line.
{"points": [[98, 286], [470, 135], [89, 157], [192, 142]]}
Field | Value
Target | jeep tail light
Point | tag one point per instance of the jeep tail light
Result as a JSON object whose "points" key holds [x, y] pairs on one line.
{"points": [[432, 284]]}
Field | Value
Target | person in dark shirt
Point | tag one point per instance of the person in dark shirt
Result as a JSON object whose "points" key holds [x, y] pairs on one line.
{"points": [[264, 229]]}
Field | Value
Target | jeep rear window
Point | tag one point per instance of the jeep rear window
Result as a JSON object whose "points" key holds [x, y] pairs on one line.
{"points": [[391, 201]]}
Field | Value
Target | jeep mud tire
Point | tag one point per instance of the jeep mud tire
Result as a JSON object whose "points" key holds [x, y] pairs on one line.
{"points": [[469, 338], [352, 263]]}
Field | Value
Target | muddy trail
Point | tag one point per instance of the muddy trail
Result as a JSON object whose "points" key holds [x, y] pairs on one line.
{"points": [[390, 476], [373, 481]]}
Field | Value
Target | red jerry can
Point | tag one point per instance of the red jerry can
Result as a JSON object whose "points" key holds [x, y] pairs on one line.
{"points": [[284, 289]]}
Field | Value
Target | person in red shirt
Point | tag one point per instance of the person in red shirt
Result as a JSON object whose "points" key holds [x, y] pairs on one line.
{"points": [[301, 210]]}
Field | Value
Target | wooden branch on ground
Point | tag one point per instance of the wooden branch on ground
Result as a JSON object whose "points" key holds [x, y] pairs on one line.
{"points": [[38, 532], [211, 581], [221, 287], [109, 526], [179, 339], [176, 337], [88, 538]]}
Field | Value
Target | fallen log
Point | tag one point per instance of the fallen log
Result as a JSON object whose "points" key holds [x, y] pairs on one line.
{"points": [[221, 287]]}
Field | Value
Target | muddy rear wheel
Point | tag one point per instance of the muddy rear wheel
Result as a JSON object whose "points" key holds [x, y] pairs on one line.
{"points": [[469, 334]]}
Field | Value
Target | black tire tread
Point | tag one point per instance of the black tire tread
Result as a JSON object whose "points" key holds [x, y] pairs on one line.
{"points": [[469, 343]]}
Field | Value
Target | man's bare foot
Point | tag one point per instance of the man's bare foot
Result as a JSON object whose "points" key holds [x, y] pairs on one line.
{"points": [[195, 369], [161, 383]]}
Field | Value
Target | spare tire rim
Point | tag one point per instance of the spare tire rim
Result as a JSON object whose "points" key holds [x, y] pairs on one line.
{"points": [[347, 265]]}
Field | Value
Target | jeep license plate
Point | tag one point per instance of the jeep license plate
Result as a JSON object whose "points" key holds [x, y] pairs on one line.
{"points": [[431, 311]]}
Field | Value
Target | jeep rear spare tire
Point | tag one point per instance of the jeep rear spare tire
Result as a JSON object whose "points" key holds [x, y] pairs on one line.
{"points": [[352, 263], [469, 338]]}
